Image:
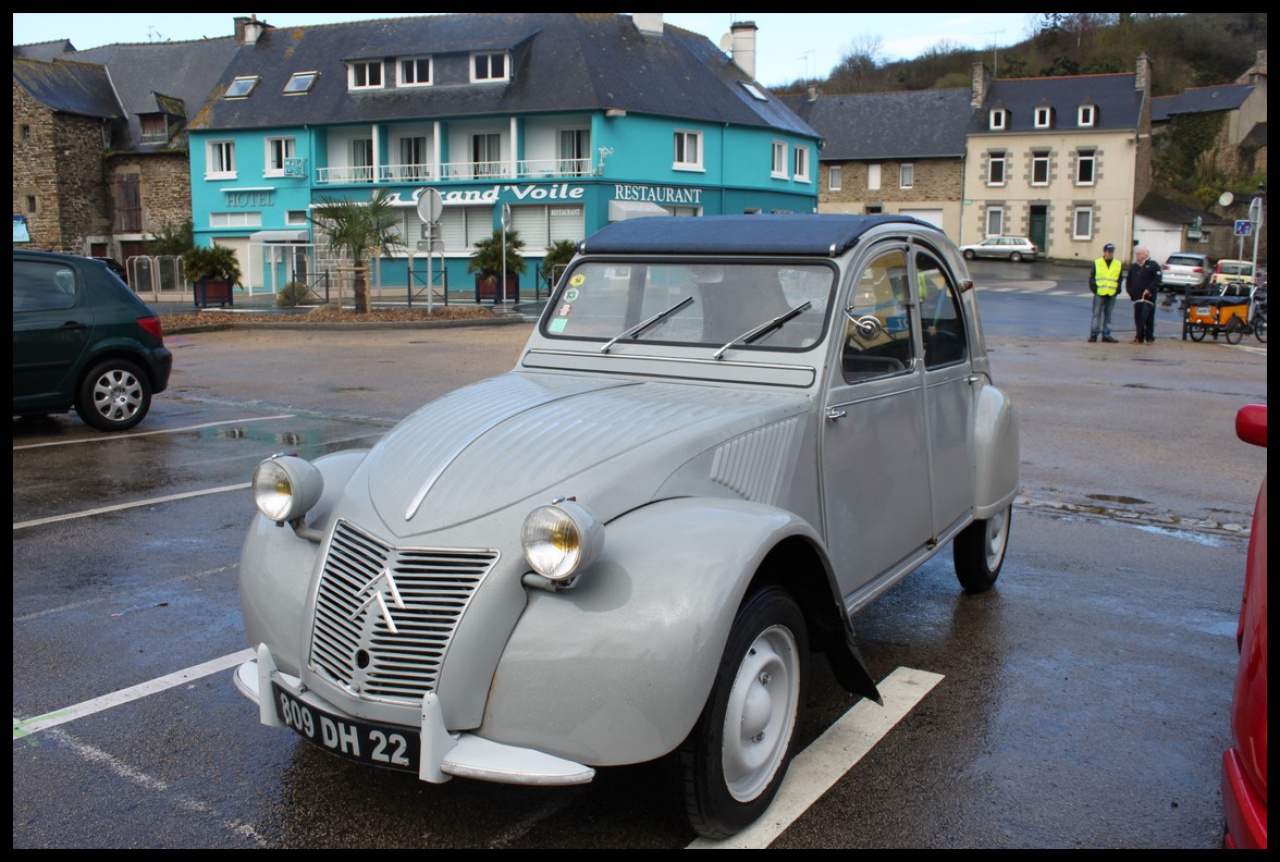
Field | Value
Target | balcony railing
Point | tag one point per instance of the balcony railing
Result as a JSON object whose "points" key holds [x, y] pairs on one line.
{"points": [[455, 172]]}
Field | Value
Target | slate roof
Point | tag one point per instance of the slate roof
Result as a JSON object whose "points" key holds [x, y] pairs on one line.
{"points": [[43, 50], [907, 125], [1167, 210], [68, 86], [1200, 100], [1118, 103], [560, 62]]}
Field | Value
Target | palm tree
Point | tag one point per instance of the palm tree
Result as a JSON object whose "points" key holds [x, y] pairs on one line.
{"points": [[355, 229]]}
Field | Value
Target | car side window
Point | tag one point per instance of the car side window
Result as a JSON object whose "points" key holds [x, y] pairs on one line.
{"points": [[40, 286], [877, 337], [941, 323]]}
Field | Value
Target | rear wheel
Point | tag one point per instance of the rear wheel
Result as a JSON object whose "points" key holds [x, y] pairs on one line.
{"points": [[968, 254], [1016, 257], [737, 754], [1260, 327], [1235, 331], [114, 396], [979, 551]]}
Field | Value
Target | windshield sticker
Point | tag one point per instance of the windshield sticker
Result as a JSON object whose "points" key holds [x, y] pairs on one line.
{"points": [[557, 325]]}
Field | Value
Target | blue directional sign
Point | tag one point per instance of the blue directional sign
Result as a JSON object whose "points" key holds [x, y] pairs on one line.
{"points": [[1244, 227]]}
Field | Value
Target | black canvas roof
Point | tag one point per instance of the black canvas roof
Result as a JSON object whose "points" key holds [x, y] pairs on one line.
{"points": [[560, 61], [780, 234]]}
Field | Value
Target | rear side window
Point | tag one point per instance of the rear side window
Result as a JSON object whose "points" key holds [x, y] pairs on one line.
{"points": [[1182, 260], [40, 285]]}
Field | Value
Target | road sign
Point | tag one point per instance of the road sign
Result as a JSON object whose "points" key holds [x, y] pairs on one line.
{"points": [[430, 205], [1244, 227]]}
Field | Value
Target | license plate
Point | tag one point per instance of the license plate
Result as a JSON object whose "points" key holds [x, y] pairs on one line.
{"points": [[378, 745], [1204, 309]]}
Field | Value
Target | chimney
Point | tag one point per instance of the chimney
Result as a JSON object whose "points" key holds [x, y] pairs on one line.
{"points": [[813, 92], [743, 42], [1142, 80], [249, 29], [981, 82], [648, 23]]}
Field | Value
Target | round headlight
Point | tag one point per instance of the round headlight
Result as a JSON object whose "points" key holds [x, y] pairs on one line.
{"points": [[285, 488], [561, 540]]}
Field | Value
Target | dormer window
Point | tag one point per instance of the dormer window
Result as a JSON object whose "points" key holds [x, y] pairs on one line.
{"points": [[364, 75], [490, 66], [1044, 118], [999, 119], [241, 87], [414, 71], [1086, 116], [300, 82], [155, 128]]}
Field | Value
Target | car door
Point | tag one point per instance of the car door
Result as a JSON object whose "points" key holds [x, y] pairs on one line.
{"points": [[52, 323], [948, 392], [876, 493]]}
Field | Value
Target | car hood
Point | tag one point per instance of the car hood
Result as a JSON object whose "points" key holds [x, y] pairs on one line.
{"points": [[612, 443]]}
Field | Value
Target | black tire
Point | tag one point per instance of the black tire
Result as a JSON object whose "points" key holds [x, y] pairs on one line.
{"points": [[1260, 329], [114, 396], [1016, 257], [1235, 331], [969, 255], [1198, 331], [737, 754], [979, 551]]}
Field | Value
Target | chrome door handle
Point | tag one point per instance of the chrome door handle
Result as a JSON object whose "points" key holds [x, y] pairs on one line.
{"points": [[834, 413]]}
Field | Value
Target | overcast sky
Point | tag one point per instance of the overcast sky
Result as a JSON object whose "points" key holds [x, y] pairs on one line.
{"points": [[788, 46]]}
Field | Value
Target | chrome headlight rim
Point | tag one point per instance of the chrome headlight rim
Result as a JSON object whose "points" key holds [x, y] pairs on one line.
{"points": [[286, 487], [561, 539]]}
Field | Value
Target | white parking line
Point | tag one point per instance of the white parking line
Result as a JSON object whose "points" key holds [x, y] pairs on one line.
{"points": [[814, 770], [119, 698], [53, 519], [105, 437]]}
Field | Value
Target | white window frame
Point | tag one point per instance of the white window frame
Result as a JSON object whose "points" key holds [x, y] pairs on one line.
{"points": [[357, 69], [873, 178], [684, 141], [835, 178], [779, 169], [1003, 160], [1082, 223], [993, 221], [240, 218], [406, 78], [241, 87], [801, 158], [1041, 159], [906, 175], [998, 119], [296, 217], [1090, 158], [300, 83], [220, 160], [486, 74], [1043, 118], [277, 150], [1086, 116]]}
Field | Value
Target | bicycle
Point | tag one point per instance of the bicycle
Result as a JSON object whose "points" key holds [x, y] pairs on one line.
{"points": [[1254, 324]]}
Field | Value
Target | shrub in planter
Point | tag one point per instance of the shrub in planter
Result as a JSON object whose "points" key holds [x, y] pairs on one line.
{"points": [[486, 263]]}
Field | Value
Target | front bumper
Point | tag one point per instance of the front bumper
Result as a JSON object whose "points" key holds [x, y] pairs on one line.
{"points": [[1244, 810], [440, 755]]}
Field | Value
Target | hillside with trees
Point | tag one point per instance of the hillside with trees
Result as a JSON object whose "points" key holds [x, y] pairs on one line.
{"points": [[1186, 50]]}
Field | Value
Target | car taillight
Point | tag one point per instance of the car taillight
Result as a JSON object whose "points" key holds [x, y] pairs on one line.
{"points": [[1196, 269], [152, 325]]}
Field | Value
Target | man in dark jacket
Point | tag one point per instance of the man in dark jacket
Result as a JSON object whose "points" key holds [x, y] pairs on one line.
{"points": [[1143, 285]]}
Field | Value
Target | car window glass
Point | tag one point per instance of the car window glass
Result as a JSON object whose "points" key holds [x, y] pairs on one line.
{"points": [[39, 285], [941, 323], [601, 300], [878, 321]]}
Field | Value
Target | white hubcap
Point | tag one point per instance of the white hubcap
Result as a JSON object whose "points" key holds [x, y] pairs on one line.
{"points": [[761, 713]]}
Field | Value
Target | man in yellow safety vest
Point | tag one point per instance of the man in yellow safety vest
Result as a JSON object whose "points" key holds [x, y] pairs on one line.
{"points": [[1104, 282]]}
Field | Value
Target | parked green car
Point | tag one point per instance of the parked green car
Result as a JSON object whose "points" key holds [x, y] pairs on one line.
{"points": [[83, 339]]}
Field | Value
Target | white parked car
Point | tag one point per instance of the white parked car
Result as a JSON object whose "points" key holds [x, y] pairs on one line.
{"points": [[1186, 272], [1014, 248], [725, 437]]}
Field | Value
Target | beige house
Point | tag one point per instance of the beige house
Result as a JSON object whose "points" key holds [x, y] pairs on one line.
{"points": [[900, 153], [1061, 160]]}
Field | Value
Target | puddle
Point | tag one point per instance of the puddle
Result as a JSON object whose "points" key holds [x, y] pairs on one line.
{"points": [[1114, 498]]}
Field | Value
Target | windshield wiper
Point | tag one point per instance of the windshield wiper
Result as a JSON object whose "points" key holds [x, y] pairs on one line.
{"points": [[764, 328], [640, 327]]}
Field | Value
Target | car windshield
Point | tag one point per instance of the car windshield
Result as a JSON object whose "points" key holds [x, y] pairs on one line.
{"points": [[705, 304], [1184, 260]]}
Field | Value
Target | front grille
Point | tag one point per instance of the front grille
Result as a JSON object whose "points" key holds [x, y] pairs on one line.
{"points": [[355, 647]]}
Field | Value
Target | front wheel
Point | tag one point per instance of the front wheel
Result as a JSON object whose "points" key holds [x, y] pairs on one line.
{"points": [[978, 551], [1198, 331], [1235, 331], [114, 396], [1260, 328], [968, 255], [737, 754]]}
